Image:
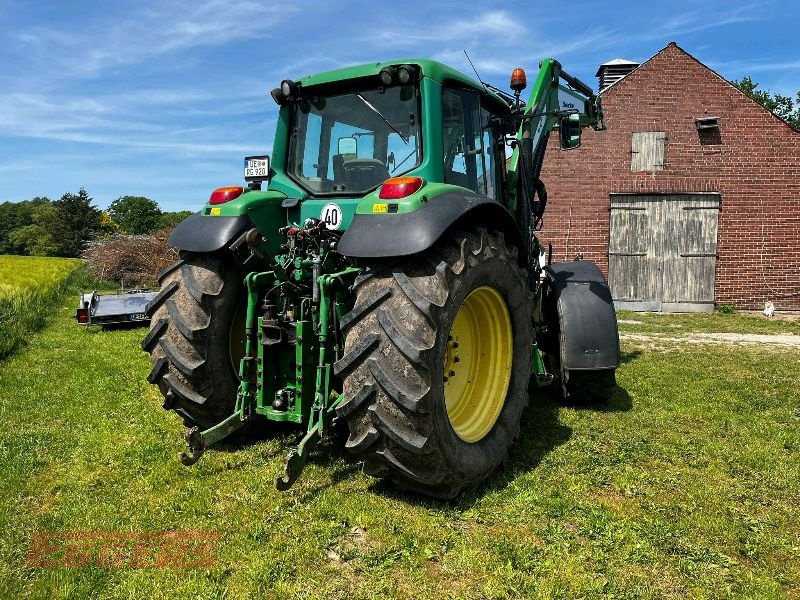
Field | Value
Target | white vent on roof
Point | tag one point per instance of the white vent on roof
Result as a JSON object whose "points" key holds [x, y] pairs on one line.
{"points": [[612, 71]]}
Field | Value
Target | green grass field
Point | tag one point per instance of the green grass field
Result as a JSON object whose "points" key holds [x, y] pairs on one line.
{"points": [[30, 288], [687, 484]]}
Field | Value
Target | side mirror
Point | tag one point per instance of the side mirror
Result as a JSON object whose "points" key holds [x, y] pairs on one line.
{"points": [[569, 129], [348, 146]]}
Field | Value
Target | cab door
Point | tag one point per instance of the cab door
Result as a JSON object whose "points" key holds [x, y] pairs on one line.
{"points": [[470, 143]]}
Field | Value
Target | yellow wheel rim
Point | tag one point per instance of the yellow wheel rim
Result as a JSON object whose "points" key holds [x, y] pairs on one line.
{"points": [[477, 366]]}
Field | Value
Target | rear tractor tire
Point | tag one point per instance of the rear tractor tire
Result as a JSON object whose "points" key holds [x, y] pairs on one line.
{"points": [[436, 365], [196, 337]]}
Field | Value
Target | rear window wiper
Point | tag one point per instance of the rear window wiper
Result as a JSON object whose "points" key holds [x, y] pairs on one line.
{"points": [[380, 114]]}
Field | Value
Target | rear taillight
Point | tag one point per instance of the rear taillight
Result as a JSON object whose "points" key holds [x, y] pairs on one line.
{"points": [[82, 315], [400, 187], [225, 194]]}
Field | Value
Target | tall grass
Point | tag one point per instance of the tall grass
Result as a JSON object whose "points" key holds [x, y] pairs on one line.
{"points": [[31, 288]]}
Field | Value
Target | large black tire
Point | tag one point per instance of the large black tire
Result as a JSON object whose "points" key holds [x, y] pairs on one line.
{"points": [[578, 386], [585, 387], [395, 350], [190, 336], [571, 386]]}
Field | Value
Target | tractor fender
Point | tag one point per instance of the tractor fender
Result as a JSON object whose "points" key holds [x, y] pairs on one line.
{"points": [[198, 233], [404, 234], [587, 322]]}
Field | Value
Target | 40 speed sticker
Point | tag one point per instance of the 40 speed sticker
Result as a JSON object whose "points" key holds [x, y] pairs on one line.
{"points": [[331, 215]]}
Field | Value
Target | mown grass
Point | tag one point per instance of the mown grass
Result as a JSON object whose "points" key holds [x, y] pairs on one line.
{"points": [[31, 287], [687, 484], [677, 325]]}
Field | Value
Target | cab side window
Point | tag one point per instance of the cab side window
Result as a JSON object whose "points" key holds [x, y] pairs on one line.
{"points": [[487, 168], [469, 143]]}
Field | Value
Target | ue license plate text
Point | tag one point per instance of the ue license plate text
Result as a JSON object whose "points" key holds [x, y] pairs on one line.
{"points": [[256, 168]]}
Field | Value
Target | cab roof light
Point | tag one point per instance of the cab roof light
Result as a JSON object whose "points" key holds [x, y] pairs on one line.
{"points": [[387, 76], [277, 95], [519, 80], [225, 194], [400, 187], [407, 74], [289, 89]]}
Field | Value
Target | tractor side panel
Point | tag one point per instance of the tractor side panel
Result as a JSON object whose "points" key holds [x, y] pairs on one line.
{"points": [[589, 338]]}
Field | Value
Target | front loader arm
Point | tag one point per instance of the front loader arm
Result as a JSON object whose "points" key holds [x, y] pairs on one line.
{"points": [[550, 100]]}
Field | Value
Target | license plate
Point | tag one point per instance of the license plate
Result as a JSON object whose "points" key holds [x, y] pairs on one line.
{"points": [[256, 168], [137, 317]]}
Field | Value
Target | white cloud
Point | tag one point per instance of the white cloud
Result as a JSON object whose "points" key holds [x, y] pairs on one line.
{"points": [[490, 23], [90, 121], [688, 22], [490, 62], [168, 26], [759, 66], [499, 24]]}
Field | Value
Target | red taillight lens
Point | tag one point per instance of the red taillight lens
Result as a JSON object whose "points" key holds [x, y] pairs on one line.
{"points": [[400, 187], [225, 194], [82, 315]]}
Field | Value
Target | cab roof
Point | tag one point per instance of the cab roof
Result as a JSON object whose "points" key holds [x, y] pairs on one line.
{"points": [[430, 68]]}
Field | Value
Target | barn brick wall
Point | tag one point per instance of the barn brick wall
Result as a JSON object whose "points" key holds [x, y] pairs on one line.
{"points": [[753, 163]]}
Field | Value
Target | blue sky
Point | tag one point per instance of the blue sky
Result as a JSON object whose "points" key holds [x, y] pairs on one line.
{"points": [[164, 98]]}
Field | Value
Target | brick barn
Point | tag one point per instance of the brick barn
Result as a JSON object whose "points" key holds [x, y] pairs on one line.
{"points": [[690, 199]]}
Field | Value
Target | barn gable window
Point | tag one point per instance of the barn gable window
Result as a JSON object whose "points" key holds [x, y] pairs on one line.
{"points": [[647, 151]]}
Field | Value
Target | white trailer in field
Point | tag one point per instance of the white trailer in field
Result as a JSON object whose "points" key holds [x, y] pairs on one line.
{"points": [[114, 309]]}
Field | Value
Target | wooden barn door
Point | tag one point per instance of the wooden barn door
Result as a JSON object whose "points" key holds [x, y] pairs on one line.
{"points": [[662, 252]]}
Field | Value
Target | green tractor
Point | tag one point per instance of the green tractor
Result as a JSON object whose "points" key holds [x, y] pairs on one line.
{"points": [[382, 270]]}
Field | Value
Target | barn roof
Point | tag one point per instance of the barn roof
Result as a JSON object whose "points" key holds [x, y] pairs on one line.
{"points": [[614, 86]]}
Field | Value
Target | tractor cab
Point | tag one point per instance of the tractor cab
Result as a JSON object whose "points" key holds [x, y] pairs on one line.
{"points": [[349, 131], [345, 137]]}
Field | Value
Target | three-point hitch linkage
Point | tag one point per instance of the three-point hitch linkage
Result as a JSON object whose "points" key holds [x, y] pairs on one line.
{"points": [[294, 398]]}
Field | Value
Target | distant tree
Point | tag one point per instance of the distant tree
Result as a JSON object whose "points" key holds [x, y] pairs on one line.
{"points": [[136, 214], [782, 106], [171, 219], [108, 226], [16, 215], [9, 221], [33, 240], [74, 222]]}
